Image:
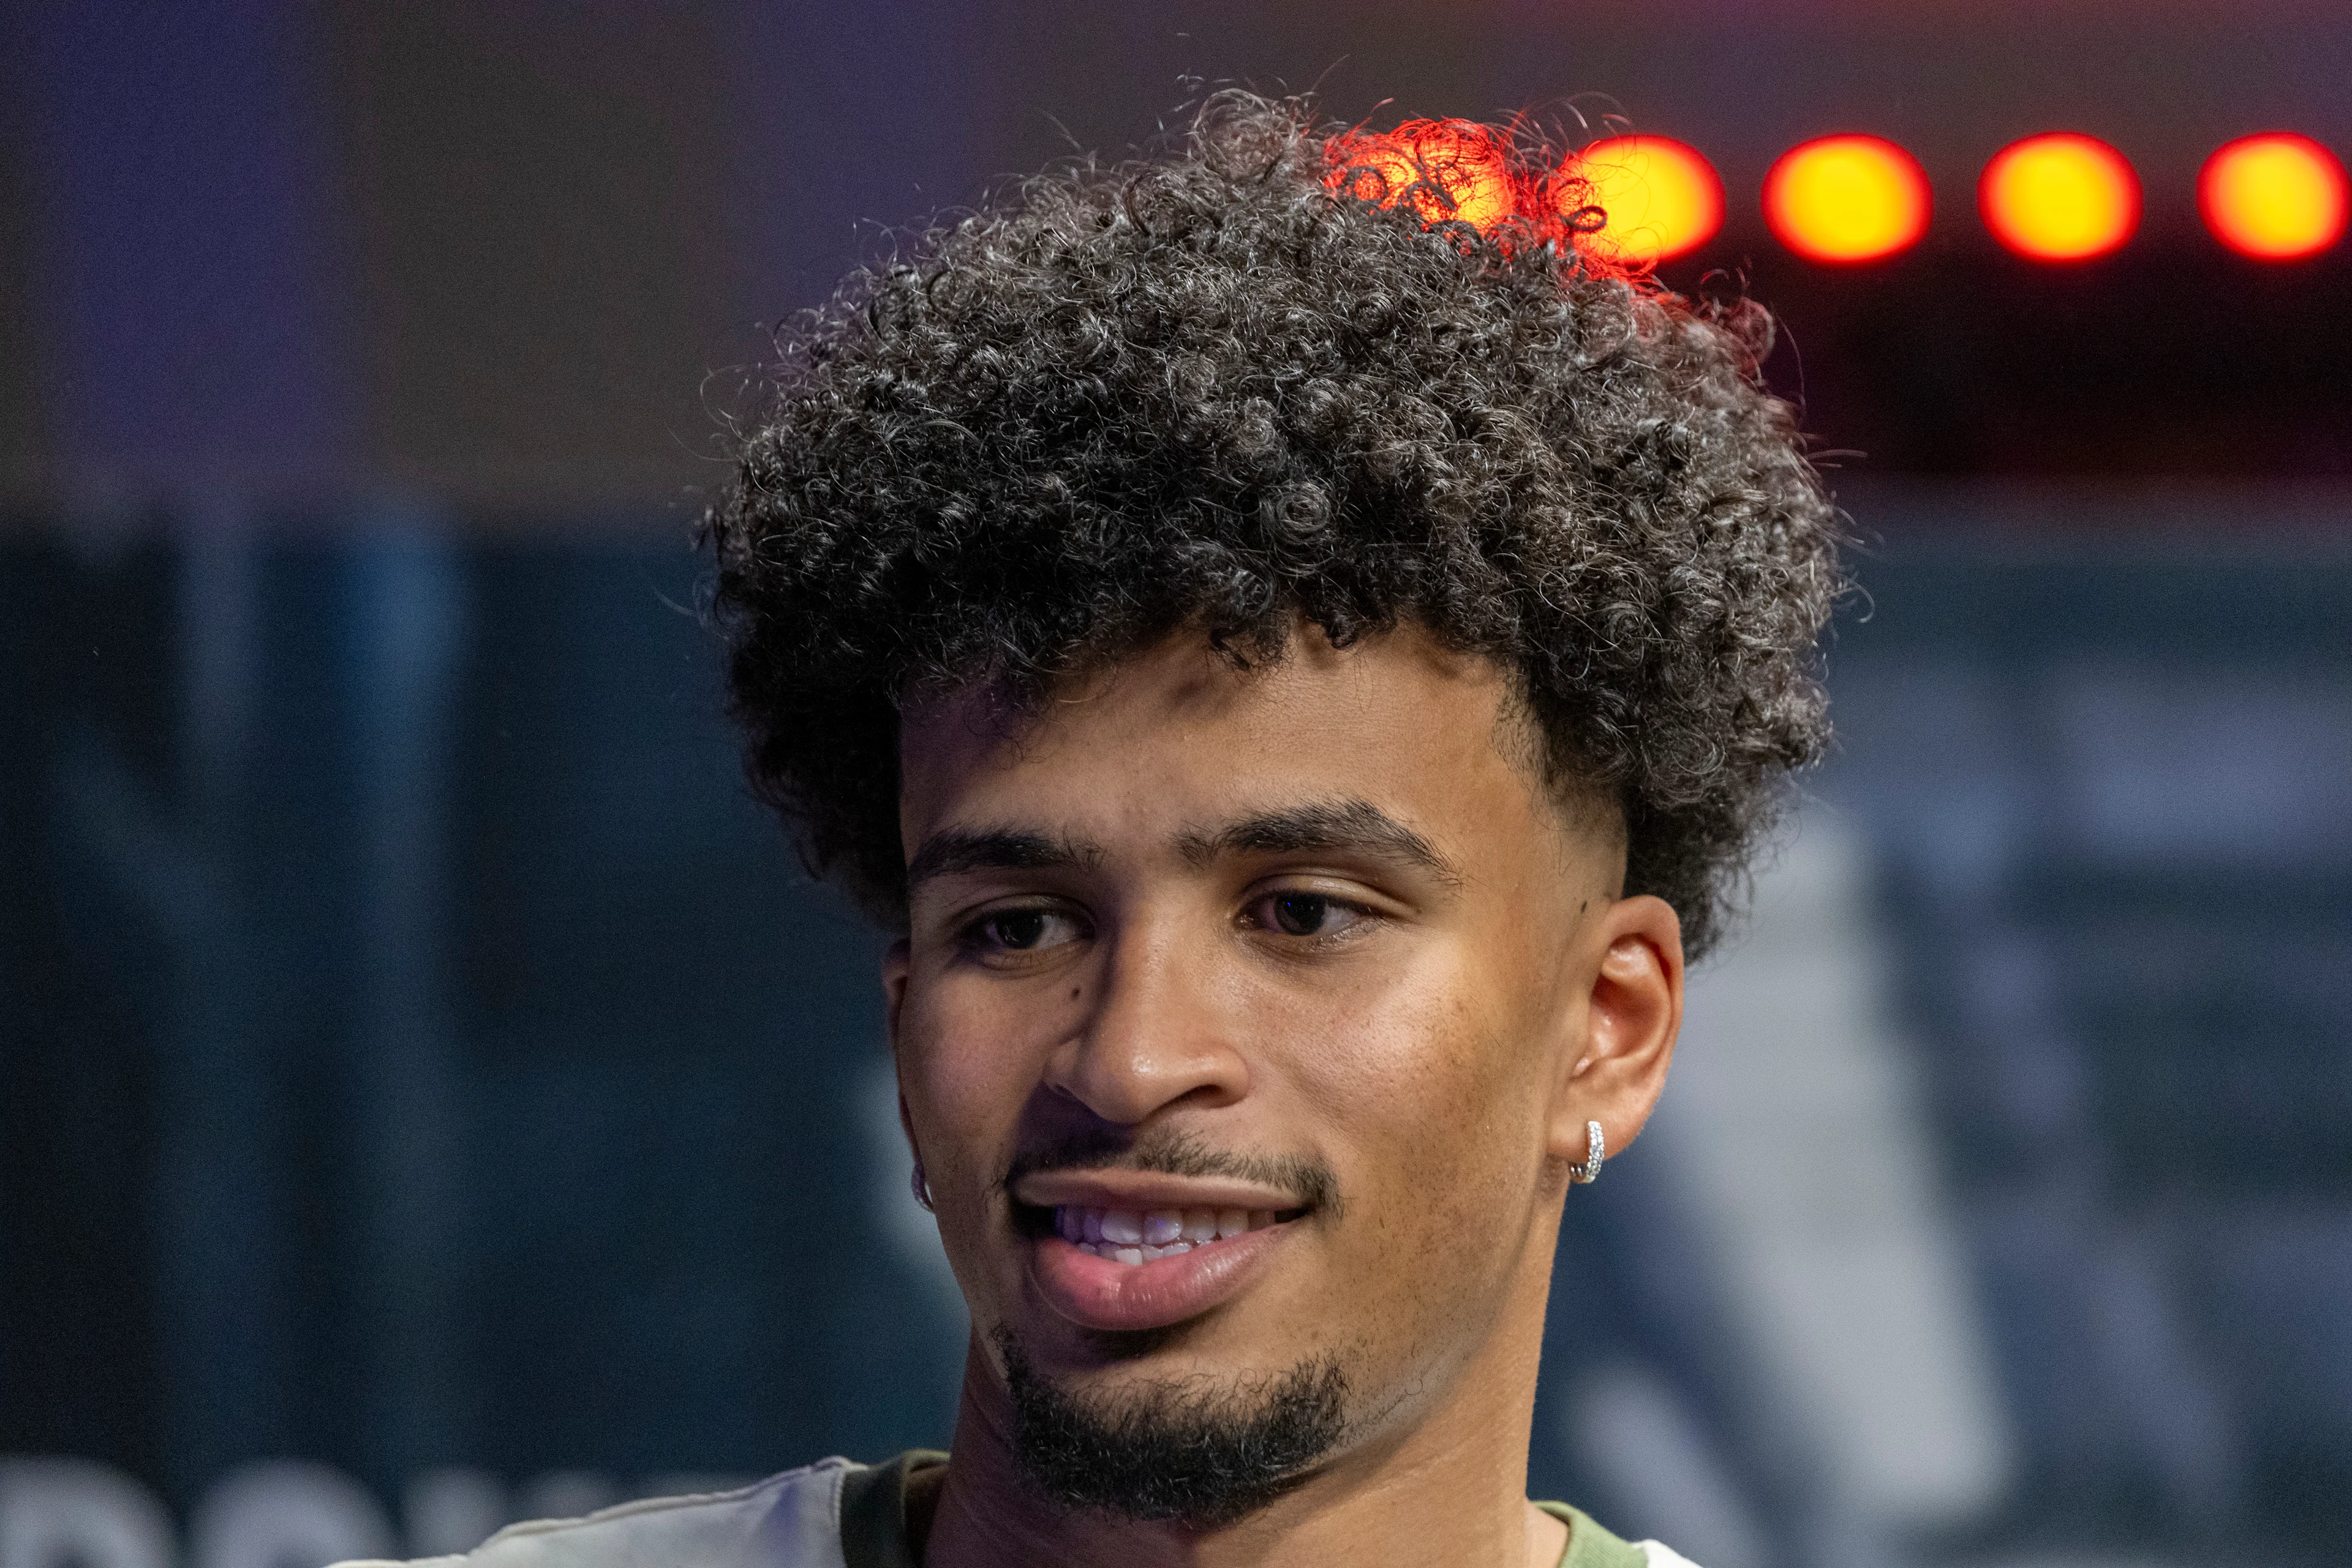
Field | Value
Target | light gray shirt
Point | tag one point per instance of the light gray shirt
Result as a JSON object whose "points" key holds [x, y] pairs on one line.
{"points": [[831, 1514]]}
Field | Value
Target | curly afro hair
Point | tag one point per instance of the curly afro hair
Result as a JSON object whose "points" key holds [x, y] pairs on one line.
{"points": [[1237, 386]]}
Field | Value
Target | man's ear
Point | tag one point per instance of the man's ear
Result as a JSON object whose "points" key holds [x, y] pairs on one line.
{"points": [[1617, 1066]]}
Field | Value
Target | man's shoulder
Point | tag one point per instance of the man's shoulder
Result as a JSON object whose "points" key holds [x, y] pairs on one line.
{"points": [[790, 1521]]}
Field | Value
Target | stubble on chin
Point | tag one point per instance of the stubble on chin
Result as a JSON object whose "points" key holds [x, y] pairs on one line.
{"points": [[1196, 1451]]}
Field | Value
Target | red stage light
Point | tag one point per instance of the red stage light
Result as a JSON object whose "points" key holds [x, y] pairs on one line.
{"points": [[1661, 198], [2276, 197], [2060, 197], [1847, 198], [1449, 171]]}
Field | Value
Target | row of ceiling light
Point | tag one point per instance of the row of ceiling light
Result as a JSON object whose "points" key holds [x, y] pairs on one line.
{"points": [[2277, 197]]}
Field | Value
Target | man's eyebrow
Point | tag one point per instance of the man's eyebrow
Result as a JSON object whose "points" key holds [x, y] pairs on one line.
{"points": [[1353, 824], [953, 850]]}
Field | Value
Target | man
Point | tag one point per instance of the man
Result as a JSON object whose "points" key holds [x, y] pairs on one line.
{"points": [[1300, 652]]}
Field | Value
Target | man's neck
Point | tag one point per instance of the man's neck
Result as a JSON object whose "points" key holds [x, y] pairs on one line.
{"points": [[1448, 1488]]}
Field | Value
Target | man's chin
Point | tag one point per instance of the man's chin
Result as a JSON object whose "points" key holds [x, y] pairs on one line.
{"points": [[1190, 1450]]}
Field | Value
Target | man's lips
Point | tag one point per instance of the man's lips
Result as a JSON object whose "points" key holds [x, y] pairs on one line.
{"points": [[1106, 1293], [1120, 1249], [1143, 1191]]}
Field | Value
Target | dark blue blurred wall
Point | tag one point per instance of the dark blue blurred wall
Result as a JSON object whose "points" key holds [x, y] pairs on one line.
{"points": [[419, 1049], [2105, 754]]}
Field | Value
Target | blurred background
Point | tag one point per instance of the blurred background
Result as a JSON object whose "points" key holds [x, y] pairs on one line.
{"points": [[430, 1095]]}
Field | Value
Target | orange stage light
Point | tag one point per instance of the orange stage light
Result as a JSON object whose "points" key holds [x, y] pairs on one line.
{"points": [[1660, 198], [2060, 197], [2276, 197], [1847, 198]]}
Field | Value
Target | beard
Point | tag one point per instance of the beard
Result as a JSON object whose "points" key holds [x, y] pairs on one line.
{"points": [[1198, 1455]]}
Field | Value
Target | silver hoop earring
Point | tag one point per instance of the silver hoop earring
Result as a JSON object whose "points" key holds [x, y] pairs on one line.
{"points": [[1595, 1147], [923, 1186]]}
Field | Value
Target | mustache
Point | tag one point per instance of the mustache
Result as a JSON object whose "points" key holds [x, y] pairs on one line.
{"points": [[1178, 1154]]}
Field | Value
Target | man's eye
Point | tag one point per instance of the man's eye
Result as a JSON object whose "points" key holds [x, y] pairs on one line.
{"points": [[1300, 914], [1023, 930], [1305, 914]]}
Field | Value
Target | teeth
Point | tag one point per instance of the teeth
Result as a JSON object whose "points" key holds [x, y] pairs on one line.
{"points": [[1126, 1235]]}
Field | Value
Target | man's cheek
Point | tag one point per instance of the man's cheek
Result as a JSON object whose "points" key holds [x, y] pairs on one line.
{"points": [[962, 1060], [1442, 1127]]}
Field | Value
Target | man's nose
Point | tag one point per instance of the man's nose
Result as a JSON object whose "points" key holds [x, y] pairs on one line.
{"points": [[1155, 1031]]}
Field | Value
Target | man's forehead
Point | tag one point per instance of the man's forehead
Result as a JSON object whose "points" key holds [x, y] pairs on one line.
{"points": [[1399, 680], [1174, 747]]}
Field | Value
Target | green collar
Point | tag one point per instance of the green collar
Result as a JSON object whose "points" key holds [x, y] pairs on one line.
{"points": [[886, 1509], [1592, 1546]]}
